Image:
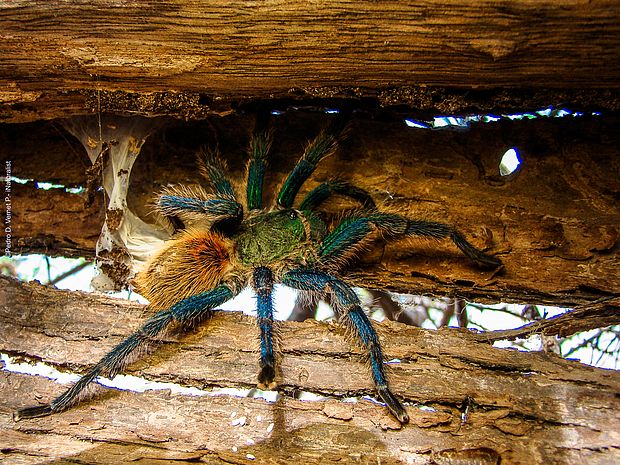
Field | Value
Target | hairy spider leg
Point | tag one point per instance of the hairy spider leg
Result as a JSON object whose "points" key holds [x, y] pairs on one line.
{"points": [[184, 312], [212, 168], [260, 143], [324, 144], [323, 191], [356, 320], [259, 148], [181, 208], [214, 208], [343, 241], [263, 285]]}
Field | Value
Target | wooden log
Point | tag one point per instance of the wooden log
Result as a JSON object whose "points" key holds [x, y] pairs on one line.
{"points": [[466, 399], [554, 223], [191, 58], [53, 222]]}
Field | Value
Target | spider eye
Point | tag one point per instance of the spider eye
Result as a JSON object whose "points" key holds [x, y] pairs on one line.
{"points": [[292, 215]]}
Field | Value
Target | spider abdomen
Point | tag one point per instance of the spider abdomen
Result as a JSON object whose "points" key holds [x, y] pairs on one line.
{"points": [[191, 263]]}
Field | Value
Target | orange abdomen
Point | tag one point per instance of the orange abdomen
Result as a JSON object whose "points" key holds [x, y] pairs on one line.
{"points": [[193, 262]]}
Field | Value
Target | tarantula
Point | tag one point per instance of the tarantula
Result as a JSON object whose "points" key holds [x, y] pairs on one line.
{"points": [[220, 247]]}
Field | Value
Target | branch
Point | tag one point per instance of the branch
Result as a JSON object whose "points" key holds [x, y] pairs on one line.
{"points": [[521, 405], [601, 314]]}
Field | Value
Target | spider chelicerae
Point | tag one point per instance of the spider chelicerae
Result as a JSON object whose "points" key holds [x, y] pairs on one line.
{"points": [[221, 246]]}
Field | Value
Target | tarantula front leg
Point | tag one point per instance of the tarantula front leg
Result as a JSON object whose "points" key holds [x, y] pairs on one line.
{"points": [[184, 312], [357, 322], [263, 285], [322, 146], [352, 231], [260, 144]]}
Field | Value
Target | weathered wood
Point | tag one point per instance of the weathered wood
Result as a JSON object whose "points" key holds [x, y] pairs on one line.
{"points": [[554, 223], [525, 407], [188, 58], [53, 222]]}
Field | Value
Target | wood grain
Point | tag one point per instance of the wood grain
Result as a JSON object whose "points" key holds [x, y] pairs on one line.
{"points": [[189, 58], [525, 407]]}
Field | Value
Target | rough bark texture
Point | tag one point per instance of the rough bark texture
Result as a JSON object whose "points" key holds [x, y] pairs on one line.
{"points": [[189, 58], [554, 223], [523, 408], [54, 222]]}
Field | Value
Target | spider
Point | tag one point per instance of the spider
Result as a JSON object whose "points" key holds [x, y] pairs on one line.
{"points": [[221, 246]]}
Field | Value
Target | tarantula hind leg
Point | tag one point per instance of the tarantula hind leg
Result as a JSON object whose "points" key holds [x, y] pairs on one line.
{"points": [[354, 229], [184, 312], [356, 322]]}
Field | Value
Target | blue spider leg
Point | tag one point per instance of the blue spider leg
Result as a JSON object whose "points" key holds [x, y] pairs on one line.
{"points": [[216, 209], [342, 242], [323, 191], [324, 144], [259, 148], [212, 169], [212, 207], [184, 312], [263, 286], [356, 320]]}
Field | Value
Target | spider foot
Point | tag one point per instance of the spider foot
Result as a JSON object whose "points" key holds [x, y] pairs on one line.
{"points": [[487, 261], [396, 408], [483, 260], [32, 412], [266, 378]]}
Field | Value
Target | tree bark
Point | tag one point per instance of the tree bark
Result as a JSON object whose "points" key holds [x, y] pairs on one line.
{"points": [[466, 399], [554, 223], [189, 59]]}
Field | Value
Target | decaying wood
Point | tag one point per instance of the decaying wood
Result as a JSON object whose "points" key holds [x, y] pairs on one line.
{"points": [[554, 223], [189, 58], [523, 407]]}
